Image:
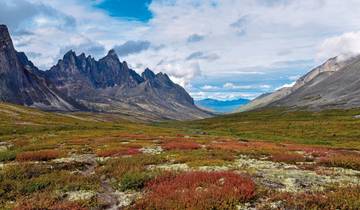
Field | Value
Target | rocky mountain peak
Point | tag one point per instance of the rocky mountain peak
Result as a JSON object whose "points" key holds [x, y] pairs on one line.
{"points": [[148, 74], [21, 82], [5, 39], [69, 55], [78, 82], [112, 54]]}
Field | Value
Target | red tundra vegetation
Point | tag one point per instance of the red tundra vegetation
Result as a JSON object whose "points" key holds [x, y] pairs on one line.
{"points": [[180, 145], [198, 190], [117, 152], [42, 155], [288, 157], [351, 160]]}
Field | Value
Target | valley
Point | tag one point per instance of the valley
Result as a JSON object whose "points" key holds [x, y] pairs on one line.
{"points": [[102, 161]]}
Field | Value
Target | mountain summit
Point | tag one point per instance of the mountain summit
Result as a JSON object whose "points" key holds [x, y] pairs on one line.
{"points": [[19, 83], [79, 82], [334, 84]]}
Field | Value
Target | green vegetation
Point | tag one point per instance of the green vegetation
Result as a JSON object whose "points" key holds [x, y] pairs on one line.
{"points": [[88, 160], [335, 128]]}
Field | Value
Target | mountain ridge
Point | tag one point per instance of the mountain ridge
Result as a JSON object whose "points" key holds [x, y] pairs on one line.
{"points": [[323, 87], [81, 83]]}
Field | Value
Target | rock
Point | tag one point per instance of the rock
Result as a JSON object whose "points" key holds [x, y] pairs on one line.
{"points": [[152, 150], [171, 167], [82, 83], [333, 84], [289, 178], [80, 195], [126, 198], [21, 82]]}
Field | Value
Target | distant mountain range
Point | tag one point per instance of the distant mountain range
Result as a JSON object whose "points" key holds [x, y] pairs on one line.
{"points": [[221, 106], [81, 83], [332, 85]]}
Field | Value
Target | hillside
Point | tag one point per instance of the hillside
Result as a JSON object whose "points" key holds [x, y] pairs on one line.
{"points": [[334, 84]]}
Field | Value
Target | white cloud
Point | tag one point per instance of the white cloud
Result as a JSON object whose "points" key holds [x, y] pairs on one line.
{"points": [[243, 38], [209, 87], [345, 45], [265, 86], [222, 95], [230, 85], [286, 86]]}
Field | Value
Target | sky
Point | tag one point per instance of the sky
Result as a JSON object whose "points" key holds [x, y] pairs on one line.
{"points": [[221, 49]]}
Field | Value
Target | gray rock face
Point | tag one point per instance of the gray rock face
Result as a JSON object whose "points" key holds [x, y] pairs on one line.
{"points": [[20, 84], [79, 82], [334, 84], [111, 86]]}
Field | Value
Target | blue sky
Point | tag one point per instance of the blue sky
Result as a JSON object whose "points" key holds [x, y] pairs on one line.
{"points": [[128, 9], [223, 49]]}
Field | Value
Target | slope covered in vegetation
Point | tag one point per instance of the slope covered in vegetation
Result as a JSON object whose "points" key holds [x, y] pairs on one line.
{"points": [[256, 160]]}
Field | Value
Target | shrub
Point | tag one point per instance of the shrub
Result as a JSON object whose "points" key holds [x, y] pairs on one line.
{"points": [[181, 145], [42, 155], [197, 190], [34, 185], [134, 180], [117, 168], [287, 157], [7, 155], [46, 201], [338, 198], [118, 152], [203, 157], [351, 161]]}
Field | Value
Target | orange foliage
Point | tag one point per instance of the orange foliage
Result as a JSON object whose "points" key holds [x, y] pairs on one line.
{"points": [[42, 155], [117, 152], [198, 190], [180, 145], [287, 157]]}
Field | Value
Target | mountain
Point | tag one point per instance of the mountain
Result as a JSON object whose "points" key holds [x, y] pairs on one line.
{"points": [[334, 84], [79, 82], [221, 106], [21, 85]]}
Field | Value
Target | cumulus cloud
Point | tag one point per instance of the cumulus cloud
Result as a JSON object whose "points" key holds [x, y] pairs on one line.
{"points": [[132, 47], [345, 45], [17, 14], [282, 34]]}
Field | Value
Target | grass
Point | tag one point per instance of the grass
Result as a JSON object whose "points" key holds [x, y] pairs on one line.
{"points": [[42, 155], [7, 155], [25, 181], [134, 180], [350, 161], [29, 179], [334, 128], [117, 152], [287, 157]]}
